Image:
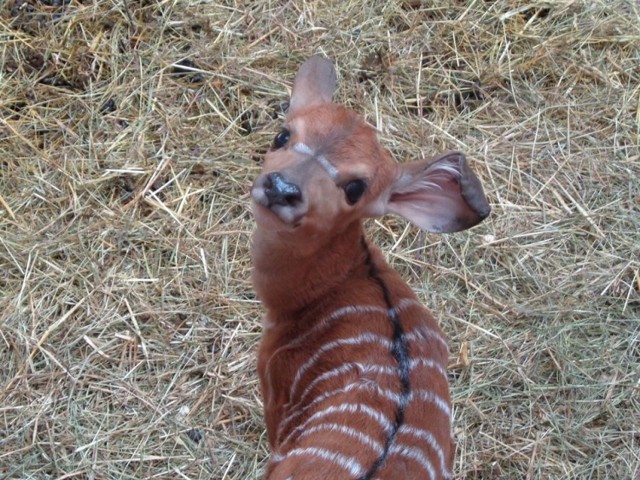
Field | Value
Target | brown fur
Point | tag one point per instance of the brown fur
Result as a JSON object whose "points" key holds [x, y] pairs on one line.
{"points": [[310, 261]]}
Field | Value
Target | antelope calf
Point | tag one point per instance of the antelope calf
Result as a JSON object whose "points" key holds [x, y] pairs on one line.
{"points": [[352, 367]]}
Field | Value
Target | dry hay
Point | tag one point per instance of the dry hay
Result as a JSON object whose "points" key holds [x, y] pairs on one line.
{"points": [[130, 132]]}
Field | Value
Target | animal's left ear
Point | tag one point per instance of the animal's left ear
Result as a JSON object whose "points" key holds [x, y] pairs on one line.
{"points": [[439, 196], [314, 84]]}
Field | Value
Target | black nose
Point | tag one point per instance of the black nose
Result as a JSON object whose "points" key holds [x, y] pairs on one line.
{"points": [[281, 192]]}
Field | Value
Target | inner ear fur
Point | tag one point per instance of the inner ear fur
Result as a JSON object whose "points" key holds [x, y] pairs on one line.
{"points": [[441, 196]]}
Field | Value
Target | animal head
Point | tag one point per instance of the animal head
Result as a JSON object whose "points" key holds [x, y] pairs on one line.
{"points": [[326, 169]]}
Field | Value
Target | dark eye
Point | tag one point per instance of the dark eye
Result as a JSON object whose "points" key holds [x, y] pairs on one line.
{"points": [[354, 190], [281, 139]]}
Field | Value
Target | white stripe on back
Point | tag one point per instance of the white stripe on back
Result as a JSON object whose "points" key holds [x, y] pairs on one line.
{"points": [[414, 454], [348, 431], [323, 323], [418, 333], [363, 369], [369, 386], [372, 413], [335, 372], [329, 319], [429, 363], [349, 464], [430, 397], [424, 334], [427, 437], [422, 395], [361, 339]]}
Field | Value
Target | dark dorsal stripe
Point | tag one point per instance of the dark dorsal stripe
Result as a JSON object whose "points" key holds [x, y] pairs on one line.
{"points": [[400, 352]]}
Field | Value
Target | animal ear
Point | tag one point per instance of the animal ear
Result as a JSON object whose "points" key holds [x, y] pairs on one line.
{"points": [[439, 196], [314, 84]]}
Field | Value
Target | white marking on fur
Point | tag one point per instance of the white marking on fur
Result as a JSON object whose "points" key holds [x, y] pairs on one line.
{"points": [[416, 334], [319, 399], [357, 340], [329, 319], [425, 334], [323, 323], [303, 148], [420, 333], [345, 368], [414, 454], [296, 408], [429, 439], [421, 395], [408, 302], [363, 369], [398, 398], [428, 363], [329, 168], [349, 464], [430, 397], [374, 389], [348, 431], [382, 420], [356, 309]]}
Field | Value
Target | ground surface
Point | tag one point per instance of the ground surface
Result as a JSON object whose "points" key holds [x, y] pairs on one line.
{"points": [[129, 135]]}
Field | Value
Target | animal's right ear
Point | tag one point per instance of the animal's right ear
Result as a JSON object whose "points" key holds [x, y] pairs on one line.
{"points": [[314, 84], [439, 196]]}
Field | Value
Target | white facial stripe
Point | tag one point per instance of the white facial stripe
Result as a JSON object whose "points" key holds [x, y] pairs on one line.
{"points": [[330, 169], [304, 149]]}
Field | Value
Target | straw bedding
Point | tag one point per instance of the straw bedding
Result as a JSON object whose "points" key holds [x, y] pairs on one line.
{"points": [[129, 136]]}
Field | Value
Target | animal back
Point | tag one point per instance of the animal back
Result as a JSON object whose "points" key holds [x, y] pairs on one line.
{"points": [[368, 394]]}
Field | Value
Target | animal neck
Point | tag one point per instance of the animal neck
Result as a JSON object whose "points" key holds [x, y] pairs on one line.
{"points": [[287, 280]]}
